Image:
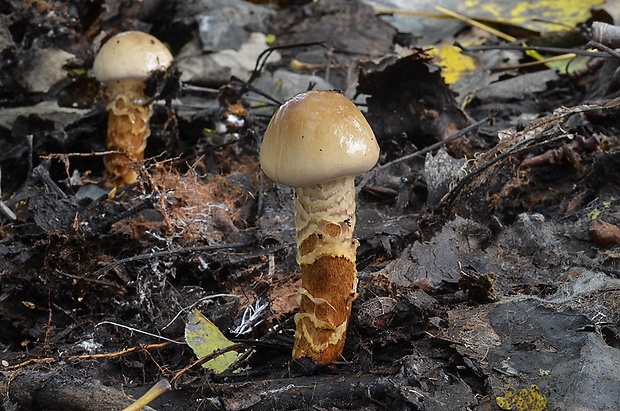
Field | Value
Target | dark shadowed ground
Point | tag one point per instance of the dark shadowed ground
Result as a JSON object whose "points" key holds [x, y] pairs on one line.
{"points": [[489, 262]]}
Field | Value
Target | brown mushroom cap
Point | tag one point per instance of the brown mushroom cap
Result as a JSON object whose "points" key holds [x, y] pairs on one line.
{"points": [[131, 55], [317, 136]]}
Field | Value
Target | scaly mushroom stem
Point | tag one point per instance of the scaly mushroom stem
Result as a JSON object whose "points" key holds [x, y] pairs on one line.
{"points": [[128, 129], [325, 219]]}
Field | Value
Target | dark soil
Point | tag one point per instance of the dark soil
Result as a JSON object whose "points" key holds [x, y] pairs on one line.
{"points": [[486, 267]]}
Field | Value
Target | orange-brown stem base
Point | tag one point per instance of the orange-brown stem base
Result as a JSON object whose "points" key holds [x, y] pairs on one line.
{"points": [[325, 307]]}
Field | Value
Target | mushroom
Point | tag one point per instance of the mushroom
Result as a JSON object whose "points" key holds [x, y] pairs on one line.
{"points": [[316, 143], [123, 64]]}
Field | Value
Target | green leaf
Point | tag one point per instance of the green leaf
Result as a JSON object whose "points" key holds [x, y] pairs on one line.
{"points": [[204, 338]]}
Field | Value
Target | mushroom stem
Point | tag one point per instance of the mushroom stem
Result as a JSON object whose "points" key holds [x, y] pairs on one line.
{"points": [[325, 219], [128, 129]]}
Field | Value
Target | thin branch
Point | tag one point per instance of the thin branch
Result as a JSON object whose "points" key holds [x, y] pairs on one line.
{"points": [[437, 145], [132, 329], [555, 50], [370, 175], [167, 253]]}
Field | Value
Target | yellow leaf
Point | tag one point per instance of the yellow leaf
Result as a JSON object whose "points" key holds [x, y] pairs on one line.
{"points": [[524, 15], [453, 63], [539, 15], [523, 400], [204, 338]]}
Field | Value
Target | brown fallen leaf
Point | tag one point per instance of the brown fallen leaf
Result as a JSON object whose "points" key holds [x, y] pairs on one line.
{"points": [[604, 233], [282, 297]]}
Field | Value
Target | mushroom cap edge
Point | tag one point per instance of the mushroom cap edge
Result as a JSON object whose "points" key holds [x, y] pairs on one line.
{"points": [[317, 136]]}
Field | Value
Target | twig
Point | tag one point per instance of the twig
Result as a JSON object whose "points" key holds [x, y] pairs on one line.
{"points": [[89, 280], [422, 152], [167, 253], [41, 172], [558, 50], [155, 391], [264, 55], [107, 223], [250, 87], [550, 125], [47, 360], [202, 360], [606, 50], [3, 207], [140, 332], [437, 145], [195, 303], [92, 154]]}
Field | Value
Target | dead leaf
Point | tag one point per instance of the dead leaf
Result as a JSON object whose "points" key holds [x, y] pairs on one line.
{"points": [[204, 338], [523, 400]]}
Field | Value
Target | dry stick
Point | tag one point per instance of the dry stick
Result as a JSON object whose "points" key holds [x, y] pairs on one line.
{"points": [[155, 391], [563, 54], [55, 391], [43, 174], [92, 154], [47, 360], [233, 347], [422, 152], [499, 34], [264, 56], [5, 208], [529, 143], [167, 253], [516, 149], [89, 280], [435, 146], [606, 50], [206, 358], [250, 87], [195, 303], [132, 329], [120, 353], [106, 224], [558, 50]]}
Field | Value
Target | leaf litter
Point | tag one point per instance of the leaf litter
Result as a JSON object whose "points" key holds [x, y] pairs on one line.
{"points": [[500, 275]]}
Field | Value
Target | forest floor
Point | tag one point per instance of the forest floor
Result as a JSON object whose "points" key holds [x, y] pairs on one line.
{"points": [[488, 265]]}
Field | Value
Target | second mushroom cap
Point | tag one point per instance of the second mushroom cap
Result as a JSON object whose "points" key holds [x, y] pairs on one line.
{"points": [[131, 55]]}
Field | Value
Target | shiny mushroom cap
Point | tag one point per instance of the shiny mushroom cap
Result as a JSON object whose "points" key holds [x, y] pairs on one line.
{"points": [[317, 136], [131, 55]]}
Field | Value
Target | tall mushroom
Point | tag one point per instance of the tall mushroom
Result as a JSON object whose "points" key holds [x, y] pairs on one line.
{"points": [[123, 64], [316, 143]]}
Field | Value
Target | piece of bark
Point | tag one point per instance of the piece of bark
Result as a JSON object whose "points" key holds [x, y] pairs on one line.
{"points": [[50, 391]]}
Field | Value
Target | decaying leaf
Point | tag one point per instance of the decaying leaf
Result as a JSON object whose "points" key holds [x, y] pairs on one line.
{"points": [[204, 338], [454, 64], [541, 15], [523, 400], [409, 96]]}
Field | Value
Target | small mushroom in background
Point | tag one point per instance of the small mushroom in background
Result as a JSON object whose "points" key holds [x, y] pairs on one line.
{"points": [[123, 64], [316, 143]]}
